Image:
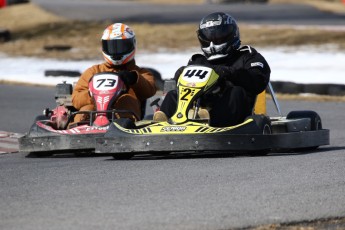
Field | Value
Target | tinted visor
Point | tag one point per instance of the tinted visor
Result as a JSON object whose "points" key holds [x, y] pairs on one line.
{"points": [[216, 34], [118, 46]]}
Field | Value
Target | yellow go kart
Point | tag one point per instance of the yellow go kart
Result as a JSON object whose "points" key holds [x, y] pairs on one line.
{"points": [[258, 134]]}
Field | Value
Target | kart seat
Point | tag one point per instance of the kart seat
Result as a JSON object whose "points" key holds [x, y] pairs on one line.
{"points": [[260, 103]]}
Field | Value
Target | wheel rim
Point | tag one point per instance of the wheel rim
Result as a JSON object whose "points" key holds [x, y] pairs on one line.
{"points": [[266, 130]]}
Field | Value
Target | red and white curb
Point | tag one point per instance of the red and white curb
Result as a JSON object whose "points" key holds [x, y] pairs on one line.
{"points": [[9, 142]]}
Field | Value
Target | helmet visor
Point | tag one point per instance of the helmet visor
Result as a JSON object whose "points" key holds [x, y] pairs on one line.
{"points": [[216, 34], [118, 46]]}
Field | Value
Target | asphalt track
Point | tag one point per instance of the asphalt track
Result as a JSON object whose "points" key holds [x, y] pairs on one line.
{"points": [[193, 192], [127, 11]]}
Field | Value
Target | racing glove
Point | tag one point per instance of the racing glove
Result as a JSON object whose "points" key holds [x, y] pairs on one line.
{"points": [[224, 72], [199, 59], [128, 77]]}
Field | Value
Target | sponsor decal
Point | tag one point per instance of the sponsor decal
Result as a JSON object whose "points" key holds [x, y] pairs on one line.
{"points": [[173, 129], [191, 84], [254, 64], [97, 128], [129, 30], [211, 23]]}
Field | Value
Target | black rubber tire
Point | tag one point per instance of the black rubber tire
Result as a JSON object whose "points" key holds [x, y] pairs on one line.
{"points": [[5, 35], [315, 124], [265, 128], [57, 47], [321, 89], [39, 154], [83, 154], [315, 120], [12, 2], [263, 123], [123, 156], [66, 73], [126, 123]]}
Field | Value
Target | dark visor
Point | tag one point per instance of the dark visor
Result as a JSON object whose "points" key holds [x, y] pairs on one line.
{"points": [[118, 46], [216, 34]]}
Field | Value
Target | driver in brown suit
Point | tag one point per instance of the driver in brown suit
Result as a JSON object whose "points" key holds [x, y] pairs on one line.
{"points": [[118, 48]]}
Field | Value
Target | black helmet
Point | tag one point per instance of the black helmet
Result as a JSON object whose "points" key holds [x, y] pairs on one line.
{"points": [[218, 34]]}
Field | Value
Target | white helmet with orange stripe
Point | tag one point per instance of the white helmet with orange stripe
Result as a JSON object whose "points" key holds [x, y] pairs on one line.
{"points": [[118, 44]]}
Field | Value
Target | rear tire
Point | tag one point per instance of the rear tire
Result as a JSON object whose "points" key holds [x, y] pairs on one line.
{"points": [[315, 120], [315, 124]]}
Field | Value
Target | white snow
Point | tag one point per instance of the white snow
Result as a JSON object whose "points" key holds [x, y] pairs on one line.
{"points": [[307, 65]]}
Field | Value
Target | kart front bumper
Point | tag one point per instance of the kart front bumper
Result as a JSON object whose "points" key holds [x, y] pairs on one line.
{"points": [[211, 142]]}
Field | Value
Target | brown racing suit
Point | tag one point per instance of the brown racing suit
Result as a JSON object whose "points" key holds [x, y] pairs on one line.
{"points": [[137, 93]]}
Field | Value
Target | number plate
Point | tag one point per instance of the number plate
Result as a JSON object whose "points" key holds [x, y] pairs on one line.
{"points": [[196, 74], [105, 81]]}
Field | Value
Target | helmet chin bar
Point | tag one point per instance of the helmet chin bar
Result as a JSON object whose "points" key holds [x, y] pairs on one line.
{"points": [[216, 51], [217, 56], [117, 57]]}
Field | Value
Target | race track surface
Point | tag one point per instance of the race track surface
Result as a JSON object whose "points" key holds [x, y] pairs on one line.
{"points": [[177, 192], [291, 14]]}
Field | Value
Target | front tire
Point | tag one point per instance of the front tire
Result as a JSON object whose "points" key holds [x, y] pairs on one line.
{"points": [[263, 123], [264, 127], [123, 156], [39, 154]]}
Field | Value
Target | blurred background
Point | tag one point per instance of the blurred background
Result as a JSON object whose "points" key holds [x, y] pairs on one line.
{"points": [[70, 30]]}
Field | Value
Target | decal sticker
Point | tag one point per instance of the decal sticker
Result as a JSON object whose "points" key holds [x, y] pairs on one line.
{"points": [[186, 92], [173, 129], [196, 74], [211, 23], [97, 128], [254, 64], [105, 82]]}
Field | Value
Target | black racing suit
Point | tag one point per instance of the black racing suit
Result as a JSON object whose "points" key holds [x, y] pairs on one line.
{"points": [[243, 75]]}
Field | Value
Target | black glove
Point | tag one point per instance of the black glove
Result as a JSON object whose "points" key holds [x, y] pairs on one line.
{"points": [[224, 72], [128, 77], [199, 59]]}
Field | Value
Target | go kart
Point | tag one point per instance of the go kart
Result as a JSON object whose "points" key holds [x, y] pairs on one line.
{"points": [[55, 132], [184, 132], [258, 134]]}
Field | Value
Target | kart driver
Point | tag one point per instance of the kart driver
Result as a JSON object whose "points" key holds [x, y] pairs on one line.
{"points": [[118, 48], [243, 72]]}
